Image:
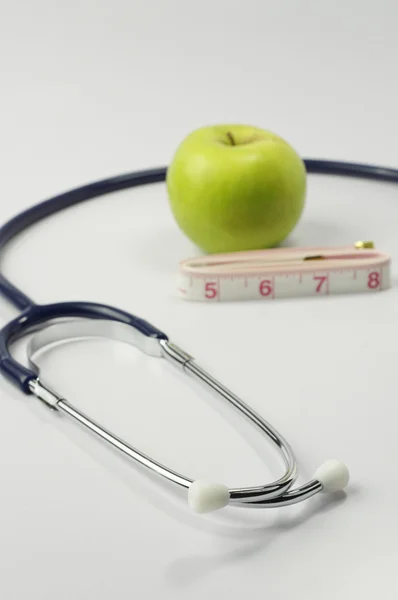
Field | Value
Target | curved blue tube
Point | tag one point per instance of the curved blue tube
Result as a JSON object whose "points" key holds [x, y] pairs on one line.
{"points": [[113, 184], [44, 209], [37, 314], [33, 314]]}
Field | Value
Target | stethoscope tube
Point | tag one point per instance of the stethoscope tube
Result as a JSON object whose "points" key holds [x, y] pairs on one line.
{"points": [[121, 182], [21, 376], [328, 477], [58, 203], [37, 315], [349, 169]]}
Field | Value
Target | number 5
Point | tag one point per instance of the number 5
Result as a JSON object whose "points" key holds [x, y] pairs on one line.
{"points": [[211, 289]]}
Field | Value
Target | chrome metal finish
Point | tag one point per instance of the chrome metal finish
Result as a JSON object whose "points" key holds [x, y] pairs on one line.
{"points": [[121, 445], [44, 393], [262, 492], [291, 497], [74, 329], [174, 354], [277, 493]]}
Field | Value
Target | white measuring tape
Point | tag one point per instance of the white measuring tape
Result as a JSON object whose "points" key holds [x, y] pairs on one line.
{"points": [[284, 273]]}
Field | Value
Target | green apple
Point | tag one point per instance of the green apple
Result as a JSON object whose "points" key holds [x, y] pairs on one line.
{"points": [[236, 187]]}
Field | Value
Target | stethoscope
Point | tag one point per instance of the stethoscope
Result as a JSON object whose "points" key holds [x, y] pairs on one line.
{"points": [[52, 324]]}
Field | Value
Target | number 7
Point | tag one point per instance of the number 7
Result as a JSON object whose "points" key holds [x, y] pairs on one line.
{"points": [[321, 280]]}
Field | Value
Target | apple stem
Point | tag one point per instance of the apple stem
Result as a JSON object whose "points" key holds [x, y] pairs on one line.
{"points": [[231, 139]]}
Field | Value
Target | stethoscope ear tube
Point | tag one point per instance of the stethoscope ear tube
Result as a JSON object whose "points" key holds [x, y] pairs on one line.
{"points": [[203, 496]]}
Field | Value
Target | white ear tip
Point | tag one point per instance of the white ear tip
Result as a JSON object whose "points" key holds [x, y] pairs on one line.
{"points": [[204, 497], [333, 475]]}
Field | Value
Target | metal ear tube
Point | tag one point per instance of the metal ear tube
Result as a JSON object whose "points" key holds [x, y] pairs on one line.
{"points": [[202, 496]]}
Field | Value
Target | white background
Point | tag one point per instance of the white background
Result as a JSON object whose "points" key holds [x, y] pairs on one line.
{"points": [[91, 89]]}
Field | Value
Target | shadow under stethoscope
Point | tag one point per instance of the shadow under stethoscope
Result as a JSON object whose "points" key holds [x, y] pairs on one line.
{"points": [[188, 570], [252, 533], [255, 525]]}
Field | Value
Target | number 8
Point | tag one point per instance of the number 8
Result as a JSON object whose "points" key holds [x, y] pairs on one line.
{"points": [[373, 280]]}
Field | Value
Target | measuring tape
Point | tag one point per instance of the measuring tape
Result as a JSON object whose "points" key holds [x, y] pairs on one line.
{"points": [[284, 273]]}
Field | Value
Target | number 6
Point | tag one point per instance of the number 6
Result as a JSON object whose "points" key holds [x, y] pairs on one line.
{"points": [[265, 288]]}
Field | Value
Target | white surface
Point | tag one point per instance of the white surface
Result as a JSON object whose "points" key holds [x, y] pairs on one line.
{"points": [[96, 88]]}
